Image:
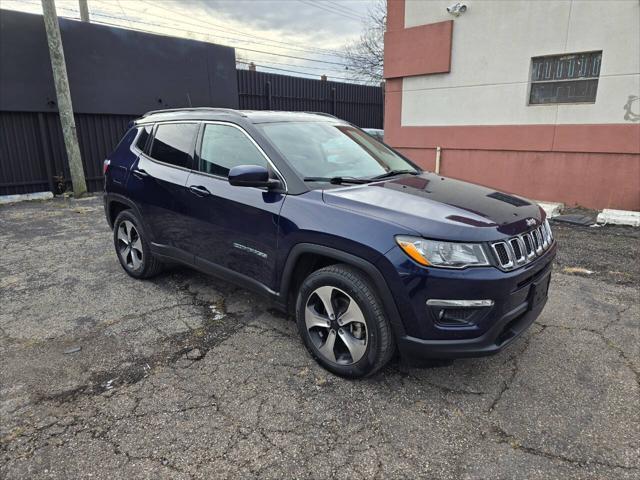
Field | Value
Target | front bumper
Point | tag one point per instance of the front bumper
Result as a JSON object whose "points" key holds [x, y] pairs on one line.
{"points": [[503, 332], [519, 298]]}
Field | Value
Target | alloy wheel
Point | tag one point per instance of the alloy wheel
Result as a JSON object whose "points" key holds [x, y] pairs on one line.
{"points": [[129, 245], [336, 325]]}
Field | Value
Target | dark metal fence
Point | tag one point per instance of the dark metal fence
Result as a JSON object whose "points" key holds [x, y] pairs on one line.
{"points": [[33, 156], [361, 105]]}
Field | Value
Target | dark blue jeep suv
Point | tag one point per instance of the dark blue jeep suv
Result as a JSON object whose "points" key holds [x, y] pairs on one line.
{"points": [[370, 253]]}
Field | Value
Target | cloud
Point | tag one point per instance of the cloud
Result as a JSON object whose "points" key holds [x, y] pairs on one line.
{"points": [[320, 23]]}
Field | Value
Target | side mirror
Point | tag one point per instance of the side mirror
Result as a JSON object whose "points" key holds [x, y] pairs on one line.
{"points": [[251, 176]]}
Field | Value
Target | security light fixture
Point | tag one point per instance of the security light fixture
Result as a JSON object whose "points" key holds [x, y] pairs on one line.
{"points": [[457, 9]]}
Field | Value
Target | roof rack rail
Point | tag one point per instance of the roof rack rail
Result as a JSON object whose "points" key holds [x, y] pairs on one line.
{"points": [[323, 114], [195, 109]]}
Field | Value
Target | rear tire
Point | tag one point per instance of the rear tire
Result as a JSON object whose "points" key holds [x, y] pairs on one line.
{"points": [[342, 322], [132, 247]]}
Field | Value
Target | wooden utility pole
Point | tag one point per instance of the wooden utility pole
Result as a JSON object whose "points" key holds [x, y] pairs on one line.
{"points": [[65, 108], [84, 11]]}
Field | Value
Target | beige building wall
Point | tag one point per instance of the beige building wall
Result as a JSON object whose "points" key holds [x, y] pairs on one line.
{"points": [[494, 42]]}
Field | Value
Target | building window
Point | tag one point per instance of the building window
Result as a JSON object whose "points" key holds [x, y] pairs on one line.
{"points": [[569, 78]]}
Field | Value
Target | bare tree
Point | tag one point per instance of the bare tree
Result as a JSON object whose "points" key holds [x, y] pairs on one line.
{"points": [[365, 57], [242, 61]]}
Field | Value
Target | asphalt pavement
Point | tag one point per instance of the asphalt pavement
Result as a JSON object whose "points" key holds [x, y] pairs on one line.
{"points": [[184, 376]]}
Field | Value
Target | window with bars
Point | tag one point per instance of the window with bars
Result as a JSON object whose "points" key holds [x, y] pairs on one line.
{"points": [[571, 78]]}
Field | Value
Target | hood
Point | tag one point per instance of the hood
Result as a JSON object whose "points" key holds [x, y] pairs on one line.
{"points": [[441, 208]]}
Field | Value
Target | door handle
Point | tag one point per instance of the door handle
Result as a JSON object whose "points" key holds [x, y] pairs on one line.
{"points": [[199, 191], [139, 173]]}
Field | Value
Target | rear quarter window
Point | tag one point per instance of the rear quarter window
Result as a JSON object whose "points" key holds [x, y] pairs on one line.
{"points": [[143, 138]]}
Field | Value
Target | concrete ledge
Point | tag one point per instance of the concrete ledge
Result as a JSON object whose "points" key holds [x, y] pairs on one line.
{"points": [[619, 217], [6, 199], [552, 209]]}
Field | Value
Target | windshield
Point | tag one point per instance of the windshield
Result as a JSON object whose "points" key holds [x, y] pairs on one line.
{"points": [[325, 150]]}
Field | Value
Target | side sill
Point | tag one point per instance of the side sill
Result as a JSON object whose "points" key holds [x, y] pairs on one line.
{"points": [[167, 252]]}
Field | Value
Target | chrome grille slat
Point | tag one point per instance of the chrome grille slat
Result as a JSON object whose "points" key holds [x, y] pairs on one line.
{"points": [[548, 227], [517, 246], [547, 231], [528, 243], [538, 241], [523, 249], [543, 236]]}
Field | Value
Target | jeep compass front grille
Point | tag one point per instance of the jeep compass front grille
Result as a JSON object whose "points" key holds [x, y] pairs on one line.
{"points": [[523, 249]]}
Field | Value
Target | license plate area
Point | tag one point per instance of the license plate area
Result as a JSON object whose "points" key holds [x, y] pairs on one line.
{"points": [[539, 291]]}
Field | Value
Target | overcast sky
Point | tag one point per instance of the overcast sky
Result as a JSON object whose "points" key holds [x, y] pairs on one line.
{"points": [[314, 30]]}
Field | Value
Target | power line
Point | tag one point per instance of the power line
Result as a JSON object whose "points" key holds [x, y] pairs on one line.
{"points": [[330, 10], [210, 24], [129, 20], [292, 71], [204, 34], [345, 8], [290, 56], [288, 45], [271, 62], [240, 48]]}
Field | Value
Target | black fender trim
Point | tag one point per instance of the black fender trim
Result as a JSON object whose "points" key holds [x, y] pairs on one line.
{"points": [[111, 197], [369, 268], [233, 277], [172, 254]]}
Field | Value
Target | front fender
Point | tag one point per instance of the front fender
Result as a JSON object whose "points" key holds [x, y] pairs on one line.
{"points": [[341, 256]]}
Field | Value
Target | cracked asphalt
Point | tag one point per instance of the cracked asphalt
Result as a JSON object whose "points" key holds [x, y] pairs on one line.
{"points": [[185, 376]]}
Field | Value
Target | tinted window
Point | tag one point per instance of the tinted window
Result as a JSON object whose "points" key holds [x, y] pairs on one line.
{"points": [[173, 143], [225, 147], [144, 137]]}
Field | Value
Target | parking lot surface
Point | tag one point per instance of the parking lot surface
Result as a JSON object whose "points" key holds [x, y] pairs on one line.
{"points": [[184, 376]]}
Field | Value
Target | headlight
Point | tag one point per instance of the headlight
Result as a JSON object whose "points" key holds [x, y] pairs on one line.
{"points": [[435, 253]]}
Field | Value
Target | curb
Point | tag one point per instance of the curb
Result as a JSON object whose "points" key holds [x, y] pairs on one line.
{"points": [[619, 217], [606, 216], [25, 197], [552, 209]]}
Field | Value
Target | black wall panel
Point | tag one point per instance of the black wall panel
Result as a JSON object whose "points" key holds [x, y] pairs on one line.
{"points": [[111, 70]]}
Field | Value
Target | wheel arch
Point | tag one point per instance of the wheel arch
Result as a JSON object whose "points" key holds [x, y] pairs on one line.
{"points": [[114, 204], [304, 255]]}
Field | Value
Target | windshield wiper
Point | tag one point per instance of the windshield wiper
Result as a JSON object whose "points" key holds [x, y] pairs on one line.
{"points": [[393, 173], [337, 180]]}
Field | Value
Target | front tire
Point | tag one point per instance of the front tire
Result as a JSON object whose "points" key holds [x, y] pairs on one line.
{"points": [[132, 247], [342, 322]]}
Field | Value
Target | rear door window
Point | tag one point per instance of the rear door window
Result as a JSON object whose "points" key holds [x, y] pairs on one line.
{"points": [[173, 143], [225, 147]]}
